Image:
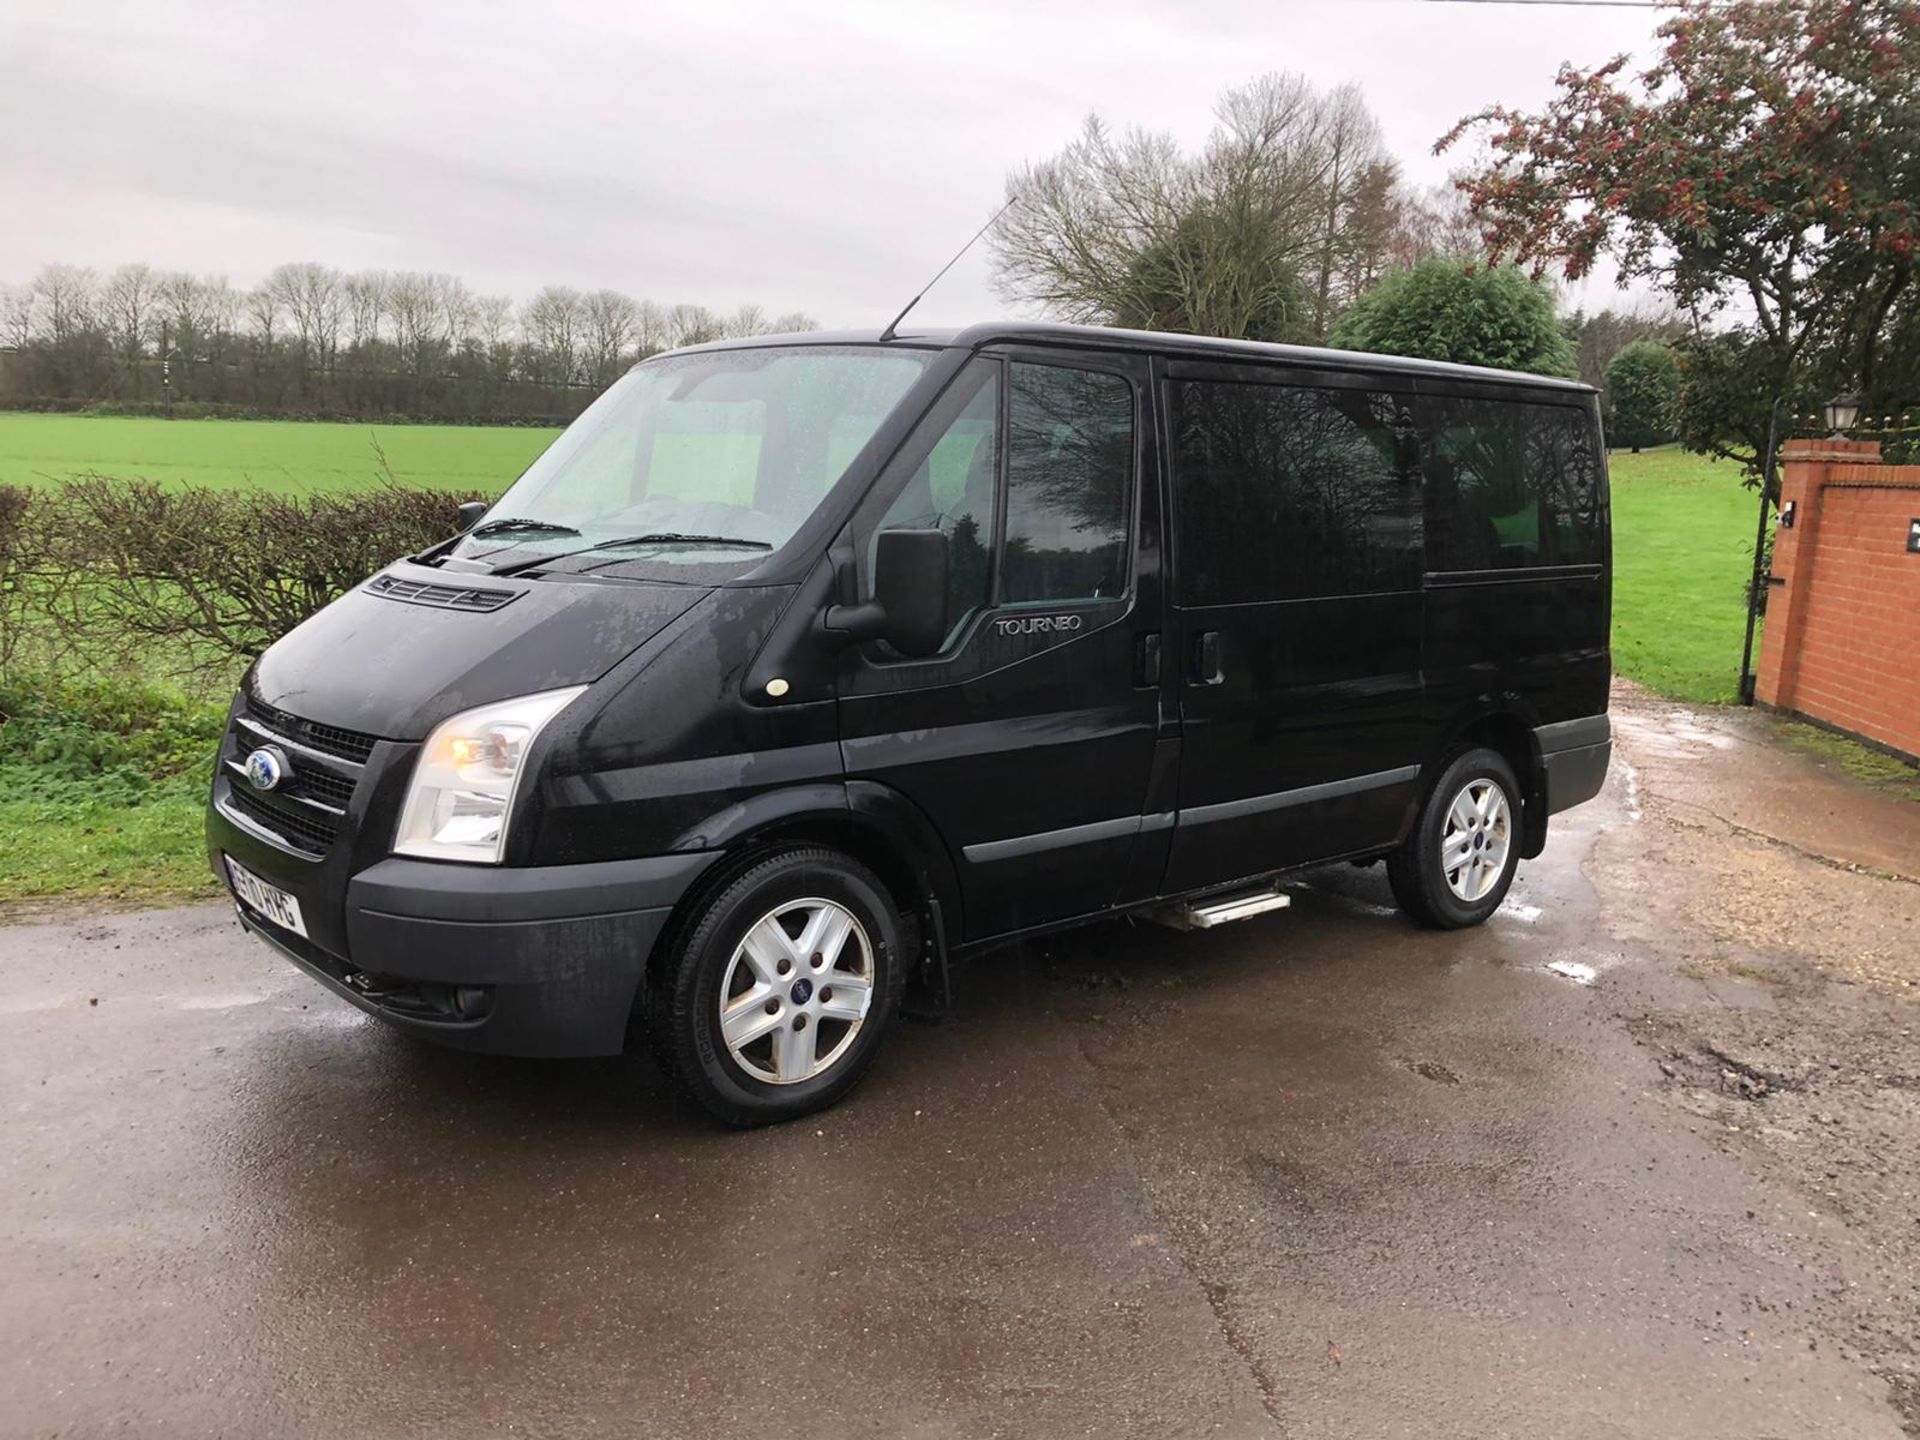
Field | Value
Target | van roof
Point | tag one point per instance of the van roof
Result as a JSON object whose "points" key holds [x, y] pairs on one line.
{"points": [[1162, 342]]}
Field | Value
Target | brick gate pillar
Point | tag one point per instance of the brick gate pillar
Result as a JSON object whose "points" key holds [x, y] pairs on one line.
{"points": [[1805, 468]]}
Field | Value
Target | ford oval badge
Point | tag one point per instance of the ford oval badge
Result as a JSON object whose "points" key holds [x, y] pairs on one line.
{"points": [[266, 768]]}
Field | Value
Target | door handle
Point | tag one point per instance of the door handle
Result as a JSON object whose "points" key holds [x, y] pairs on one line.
{"points": [[1146, 662], [1206, 658]]}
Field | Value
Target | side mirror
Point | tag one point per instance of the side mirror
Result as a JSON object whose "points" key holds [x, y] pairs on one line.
{"points": [[470, 513], [909, 605]]}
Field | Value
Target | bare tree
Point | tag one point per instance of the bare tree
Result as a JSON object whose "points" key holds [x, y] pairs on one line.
{"points": [[747, 320], [196, 312], [464, 354], [313, 300], [130, 304], [365, 296], [413, 308], [610, 323], [16, 316], [693, 325], [651, 333], [552, 323], [264, 313], [65, 299], [1439, 223], [493, 322], [1351, 152], [794, 322], [452, 309], [1128, 230]]}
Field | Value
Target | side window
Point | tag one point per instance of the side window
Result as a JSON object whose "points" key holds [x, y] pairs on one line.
{"points": [[1511, 485], [1069, 485], [1575, 495], [1283, 492], [952, 489]]}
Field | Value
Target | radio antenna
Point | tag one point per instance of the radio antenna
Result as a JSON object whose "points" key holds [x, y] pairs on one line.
{"points": [[894, 324]]}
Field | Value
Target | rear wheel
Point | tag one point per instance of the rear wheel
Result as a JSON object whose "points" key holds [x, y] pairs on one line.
{"points": [[774, 998], [1456, 866]]}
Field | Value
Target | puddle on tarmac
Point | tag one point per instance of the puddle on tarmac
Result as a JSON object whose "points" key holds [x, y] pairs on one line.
{"points": [[216, 1001]]}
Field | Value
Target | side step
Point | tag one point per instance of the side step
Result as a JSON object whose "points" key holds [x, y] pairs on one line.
{"points": [[1221, 909]]}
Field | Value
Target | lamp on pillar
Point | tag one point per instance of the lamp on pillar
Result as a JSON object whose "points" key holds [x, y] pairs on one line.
{"points": [[1842, 414]]}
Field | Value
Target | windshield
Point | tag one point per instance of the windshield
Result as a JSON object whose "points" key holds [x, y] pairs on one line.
{"points": [[699, 459]]}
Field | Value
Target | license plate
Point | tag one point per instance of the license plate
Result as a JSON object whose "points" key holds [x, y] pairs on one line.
{"points": [[273, 903]]}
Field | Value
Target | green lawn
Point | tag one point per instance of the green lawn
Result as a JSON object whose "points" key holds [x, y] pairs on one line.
{"points": [[1682, 551], [42, 449]]}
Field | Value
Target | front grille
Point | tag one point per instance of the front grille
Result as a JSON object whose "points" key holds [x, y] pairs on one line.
{"points": [[330, 739], [323, 785], [324, 764], [311, 833], [441, 597]]}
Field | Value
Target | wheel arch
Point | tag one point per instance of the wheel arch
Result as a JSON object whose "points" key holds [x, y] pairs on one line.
{"points": [[1506, 729], [873, 824]]}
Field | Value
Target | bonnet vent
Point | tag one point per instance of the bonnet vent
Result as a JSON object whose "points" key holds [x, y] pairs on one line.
{"points": [[440, 597]]}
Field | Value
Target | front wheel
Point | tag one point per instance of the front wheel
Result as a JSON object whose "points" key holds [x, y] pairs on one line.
{"points": [[773, 1000], [1455, 868]]}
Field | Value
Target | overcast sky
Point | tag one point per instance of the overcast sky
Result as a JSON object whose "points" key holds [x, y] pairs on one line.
{"points": [[825, 157]]}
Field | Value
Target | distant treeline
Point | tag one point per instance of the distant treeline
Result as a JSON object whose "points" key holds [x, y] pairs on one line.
{"points": [[321, 343]]}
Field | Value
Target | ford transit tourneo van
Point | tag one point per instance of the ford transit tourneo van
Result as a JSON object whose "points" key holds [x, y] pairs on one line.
{"points": [[797, 666]]}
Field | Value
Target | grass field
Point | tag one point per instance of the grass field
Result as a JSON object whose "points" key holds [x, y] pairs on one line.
{"points": [[1683, 531], [45, 449], [1682, 551]]}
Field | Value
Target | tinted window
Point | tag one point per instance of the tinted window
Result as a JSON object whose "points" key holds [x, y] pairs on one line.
{"points": [[1575, 495], [952, 490], [1286, 491], [1511, 485], [1069, 485]]}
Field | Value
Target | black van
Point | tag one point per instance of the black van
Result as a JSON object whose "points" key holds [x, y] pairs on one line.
{"points": [[797, 666]]}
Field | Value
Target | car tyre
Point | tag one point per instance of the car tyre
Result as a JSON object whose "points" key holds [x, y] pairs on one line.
{"points": [[758, 1012], [1455, 867]]}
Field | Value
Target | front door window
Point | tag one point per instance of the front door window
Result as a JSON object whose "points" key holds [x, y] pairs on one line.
{"points": [[1030, 476]]}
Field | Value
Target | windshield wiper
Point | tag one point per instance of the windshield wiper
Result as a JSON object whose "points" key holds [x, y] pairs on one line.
{"points": [[676, 537], [660, 537], [514, 525]]}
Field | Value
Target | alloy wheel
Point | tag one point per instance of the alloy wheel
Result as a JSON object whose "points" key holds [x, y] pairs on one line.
{"points": [[1476, 839], [796, 991]]}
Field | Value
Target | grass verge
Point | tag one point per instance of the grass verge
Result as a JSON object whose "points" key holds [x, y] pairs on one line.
{"points": [[102, 784]]}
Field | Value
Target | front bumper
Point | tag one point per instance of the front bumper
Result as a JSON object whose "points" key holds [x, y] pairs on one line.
{"points": [[542, 960]]}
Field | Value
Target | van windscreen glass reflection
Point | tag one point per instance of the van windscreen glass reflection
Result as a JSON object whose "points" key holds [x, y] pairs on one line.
{"points": [[700, 459]]}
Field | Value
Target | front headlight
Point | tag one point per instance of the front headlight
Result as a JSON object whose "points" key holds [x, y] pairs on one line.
{"points": [[461, 799]]}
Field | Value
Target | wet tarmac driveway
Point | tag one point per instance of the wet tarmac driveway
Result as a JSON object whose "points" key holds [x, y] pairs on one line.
{"points": [[1318, 1174]]}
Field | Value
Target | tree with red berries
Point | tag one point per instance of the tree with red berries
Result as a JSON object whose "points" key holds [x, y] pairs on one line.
{"points": [[1765, 169]]}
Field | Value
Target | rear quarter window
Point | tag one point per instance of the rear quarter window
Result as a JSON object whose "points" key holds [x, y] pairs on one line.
{"points": [[1511, 485]]}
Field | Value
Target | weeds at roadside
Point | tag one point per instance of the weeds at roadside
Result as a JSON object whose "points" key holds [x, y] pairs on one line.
{"points": [[1883, 772], [102, 783]]}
